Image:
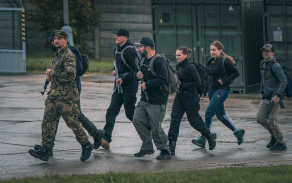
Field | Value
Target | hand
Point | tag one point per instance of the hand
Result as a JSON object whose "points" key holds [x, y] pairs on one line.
{"points": [[114, 73], [48, 78], [140, 75], [143, 87], [119, 80], [275, 99], [220, 81], [48, 72]]}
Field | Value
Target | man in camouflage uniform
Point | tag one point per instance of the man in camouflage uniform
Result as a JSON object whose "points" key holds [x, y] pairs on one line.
{"points": [[62, 100]]}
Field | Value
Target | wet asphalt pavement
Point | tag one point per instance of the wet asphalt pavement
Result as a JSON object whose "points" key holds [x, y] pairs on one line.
{"points": [[21, 112]]}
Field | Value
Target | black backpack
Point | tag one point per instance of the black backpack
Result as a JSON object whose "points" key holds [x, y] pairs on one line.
{"points": [[206, 78], [83, 58]]}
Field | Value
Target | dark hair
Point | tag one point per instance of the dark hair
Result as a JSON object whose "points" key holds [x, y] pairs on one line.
{"points": [[185, 50], [220, 46]]}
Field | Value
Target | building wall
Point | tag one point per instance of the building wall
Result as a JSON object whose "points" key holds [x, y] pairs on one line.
{"points": [[134, 15]]}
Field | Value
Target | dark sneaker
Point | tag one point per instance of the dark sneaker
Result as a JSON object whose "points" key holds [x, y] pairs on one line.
{"points": [[201, 142], [212, 140], [98, 139], [240, 136], [164, 154], [142, 153], [171, 145], [86, 151], [272, 142], [278, 147], [41, 153], [37, 147]]}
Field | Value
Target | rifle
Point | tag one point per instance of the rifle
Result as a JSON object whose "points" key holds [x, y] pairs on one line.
{"points": [[271, 105], [120, 89], [142, 80], [45, 87]]}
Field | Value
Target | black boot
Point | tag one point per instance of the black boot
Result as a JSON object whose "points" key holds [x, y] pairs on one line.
{"points": [[278, 147], [98, 139], [142, 153], [42, 153], [212, 140], [165, 154], [171, 145], [86, 151], [50, 150], [272, 142]]}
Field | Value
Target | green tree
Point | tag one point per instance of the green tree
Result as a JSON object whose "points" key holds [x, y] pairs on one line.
{"points": [[48, 15]]}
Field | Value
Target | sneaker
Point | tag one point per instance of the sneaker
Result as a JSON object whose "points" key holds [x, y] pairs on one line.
{"points": [[278, 147], [86, 151], [201, 142], [50, 150], [41, 153], [142, 153], [105, 144], [212, 140], [98, 139], [272, 142], [164, 154], [171, 145], [240, 136]]}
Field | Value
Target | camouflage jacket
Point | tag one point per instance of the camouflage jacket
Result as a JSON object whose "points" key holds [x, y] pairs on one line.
{"points": [[62, 75]]}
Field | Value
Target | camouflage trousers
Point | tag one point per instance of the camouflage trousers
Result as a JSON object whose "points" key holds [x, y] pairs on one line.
{"points": [[54, 109]]}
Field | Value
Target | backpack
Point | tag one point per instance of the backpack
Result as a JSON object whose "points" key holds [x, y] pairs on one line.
{"points": [[173, 82], [83, 58], [222, 67], [123, 58], [288, 88], [206, 78]]}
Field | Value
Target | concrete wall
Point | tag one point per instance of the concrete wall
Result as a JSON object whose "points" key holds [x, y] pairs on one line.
{"points": [[134, 15]]}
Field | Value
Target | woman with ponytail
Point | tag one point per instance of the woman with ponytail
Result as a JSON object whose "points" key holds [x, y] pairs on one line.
{"points": [[220, 91], [187, 100]]}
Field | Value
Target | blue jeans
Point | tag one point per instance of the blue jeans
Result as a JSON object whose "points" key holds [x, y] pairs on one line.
{"points": [[216, 106]]}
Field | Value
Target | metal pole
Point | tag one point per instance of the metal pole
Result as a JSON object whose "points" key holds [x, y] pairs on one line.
{"points": [[66, 12]]}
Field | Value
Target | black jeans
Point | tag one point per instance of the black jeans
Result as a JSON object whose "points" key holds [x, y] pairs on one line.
{"points": [[128, 98], [186, 101]]}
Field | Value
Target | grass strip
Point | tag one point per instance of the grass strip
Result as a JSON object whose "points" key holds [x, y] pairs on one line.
{"points": [[219, 175], [39, 63]]}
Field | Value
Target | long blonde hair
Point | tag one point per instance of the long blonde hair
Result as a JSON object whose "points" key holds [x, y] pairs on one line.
{"points": [[220, 46]]}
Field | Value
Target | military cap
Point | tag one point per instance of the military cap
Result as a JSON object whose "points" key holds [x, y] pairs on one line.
{"points": [[61, 33], [268, 47]]}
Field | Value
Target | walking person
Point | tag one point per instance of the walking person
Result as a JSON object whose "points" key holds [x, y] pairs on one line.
{"points": [[187, 100], [62, 100], [97, 134], [151, 108], [125, 61], [224, 72], [273, 80]]}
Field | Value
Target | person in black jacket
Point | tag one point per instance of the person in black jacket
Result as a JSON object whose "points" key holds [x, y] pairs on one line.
{"points": [[187, 100], [151, 108], [125, 60], [97, 134], [224, 72]]}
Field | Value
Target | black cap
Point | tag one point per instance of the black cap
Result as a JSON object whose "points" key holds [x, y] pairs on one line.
{"points": [[122, 32], [147, 41], [51, 38]]}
